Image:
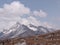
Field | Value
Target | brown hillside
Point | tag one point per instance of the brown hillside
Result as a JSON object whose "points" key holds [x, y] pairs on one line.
{"points": [[46, 39]]}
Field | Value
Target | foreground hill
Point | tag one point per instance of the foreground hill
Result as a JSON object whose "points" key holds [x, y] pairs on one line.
{"points": [[52, 38]]}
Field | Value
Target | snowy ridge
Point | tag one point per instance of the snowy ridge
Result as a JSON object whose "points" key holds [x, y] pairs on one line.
{"points": [[21, 30]]}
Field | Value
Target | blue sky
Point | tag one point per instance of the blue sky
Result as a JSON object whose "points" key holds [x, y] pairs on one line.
{"points": [[50, 7]]}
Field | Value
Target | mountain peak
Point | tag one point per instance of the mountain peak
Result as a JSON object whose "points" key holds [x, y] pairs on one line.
{"points": [[22, 30]]}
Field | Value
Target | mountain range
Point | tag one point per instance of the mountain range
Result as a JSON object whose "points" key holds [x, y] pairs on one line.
{"points": [[21, 30]]}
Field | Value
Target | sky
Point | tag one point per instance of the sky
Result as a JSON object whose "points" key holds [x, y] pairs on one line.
{"points": [[36, 12]]}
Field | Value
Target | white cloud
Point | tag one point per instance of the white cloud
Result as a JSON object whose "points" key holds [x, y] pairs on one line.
{"points": [[49, 25], [40, 13], [13, 11], [25, 21], [31, 20], [15, 8]]}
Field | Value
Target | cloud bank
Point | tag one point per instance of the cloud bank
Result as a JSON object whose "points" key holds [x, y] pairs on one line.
{"points": [[11, 13]]}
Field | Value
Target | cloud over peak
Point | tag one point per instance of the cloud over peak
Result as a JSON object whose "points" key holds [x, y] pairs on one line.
{"points": [[11, 13], [31, 20]]}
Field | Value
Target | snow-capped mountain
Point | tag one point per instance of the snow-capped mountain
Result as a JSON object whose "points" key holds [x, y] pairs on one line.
{"points": [[21, 30]]}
